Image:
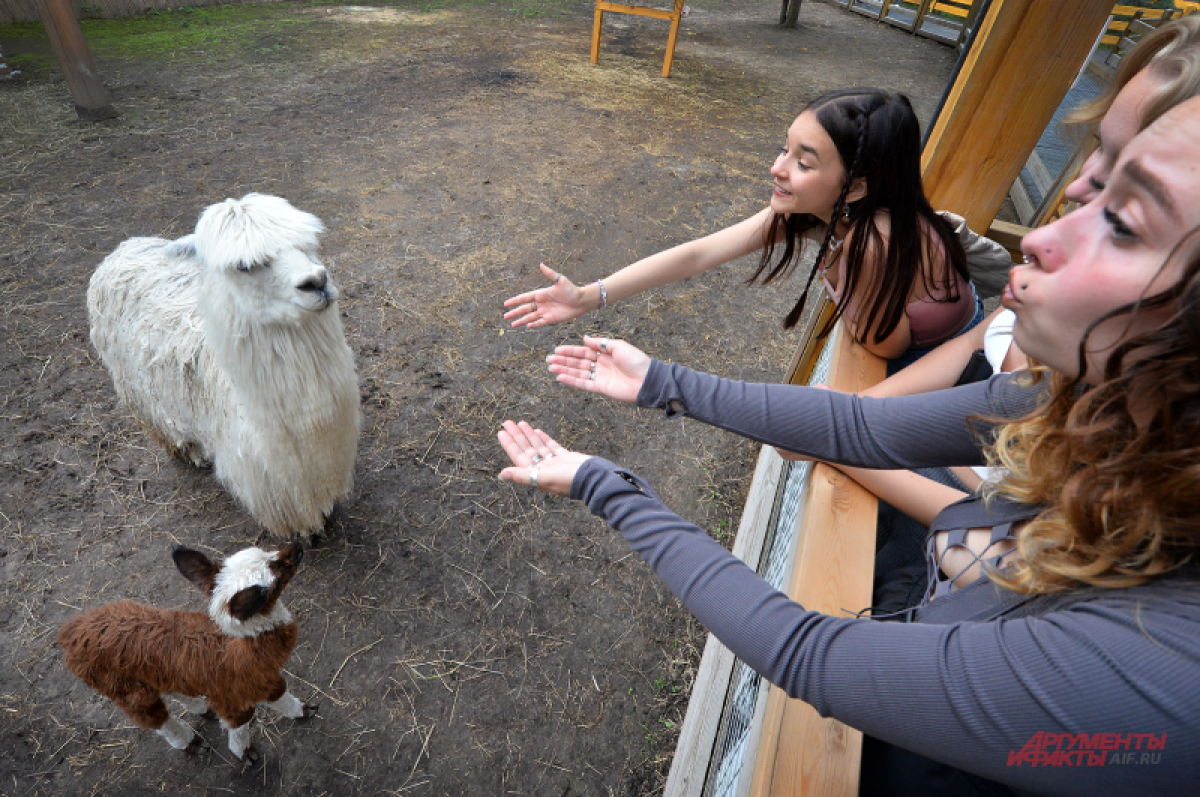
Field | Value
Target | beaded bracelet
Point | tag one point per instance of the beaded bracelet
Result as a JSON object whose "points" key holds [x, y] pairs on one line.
{"points": [[603, 296]]}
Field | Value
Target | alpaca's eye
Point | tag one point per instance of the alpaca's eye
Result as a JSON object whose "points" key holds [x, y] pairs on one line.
{"points": [[243, 266]]}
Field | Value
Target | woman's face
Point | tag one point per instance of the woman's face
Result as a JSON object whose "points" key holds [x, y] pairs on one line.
{"points": [[808, 173], [1119, 126], [1110, 251]]}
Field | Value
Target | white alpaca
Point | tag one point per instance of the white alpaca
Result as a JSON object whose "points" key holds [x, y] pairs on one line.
{"points": [[228, 345]]}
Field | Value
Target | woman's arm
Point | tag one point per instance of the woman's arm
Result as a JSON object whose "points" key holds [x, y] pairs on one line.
{"points": [[937, 370], [564, 300], [972, 695], [916, 496], [929, 430]]}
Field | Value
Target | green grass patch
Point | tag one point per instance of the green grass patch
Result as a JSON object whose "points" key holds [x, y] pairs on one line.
{"points": [[255, 30]]}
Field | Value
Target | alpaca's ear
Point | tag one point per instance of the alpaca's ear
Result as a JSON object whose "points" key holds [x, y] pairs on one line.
{"points": [[195, 567], [246, 603], [182, 247]]}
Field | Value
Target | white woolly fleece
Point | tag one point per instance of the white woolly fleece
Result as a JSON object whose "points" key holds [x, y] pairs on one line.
{"points": [[252, 230], [245, 369], [248, 568]]}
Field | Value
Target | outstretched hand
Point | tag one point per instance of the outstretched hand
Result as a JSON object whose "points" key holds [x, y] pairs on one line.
{"points": [[538, 460], [613, 368], [562, 301]]}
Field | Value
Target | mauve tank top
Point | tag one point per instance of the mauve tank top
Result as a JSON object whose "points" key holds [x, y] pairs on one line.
{"points": [[931, 320]]}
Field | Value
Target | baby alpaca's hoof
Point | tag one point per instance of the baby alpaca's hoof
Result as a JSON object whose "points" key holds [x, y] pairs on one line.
{"points": [[308, 711], [251, 755], [195, 745]]}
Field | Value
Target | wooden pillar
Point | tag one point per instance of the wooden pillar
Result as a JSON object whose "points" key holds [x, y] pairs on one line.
{"points": [[1026, 54], [91, 98]]}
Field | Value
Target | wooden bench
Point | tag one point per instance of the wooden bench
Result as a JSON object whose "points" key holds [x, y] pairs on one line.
{"points": [[674, 15]]}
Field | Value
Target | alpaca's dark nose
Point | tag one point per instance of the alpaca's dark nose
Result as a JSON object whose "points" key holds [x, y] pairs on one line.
{"points": [[314, 283]]}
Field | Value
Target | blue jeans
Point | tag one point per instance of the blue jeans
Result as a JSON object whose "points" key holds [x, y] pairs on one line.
{"points": [[912, 355]]}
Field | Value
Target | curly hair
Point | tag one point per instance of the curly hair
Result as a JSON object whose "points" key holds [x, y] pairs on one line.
{"points": [[1115, 466]]}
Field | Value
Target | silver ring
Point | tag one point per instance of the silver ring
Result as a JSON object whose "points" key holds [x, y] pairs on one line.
{"points": [[604, 345], [533, 476], [536, 458], [556, 279], [534, 303]]}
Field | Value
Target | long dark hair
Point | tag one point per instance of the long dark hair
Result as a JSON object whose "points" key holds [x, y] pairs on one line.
{"points": [[878, 138]]}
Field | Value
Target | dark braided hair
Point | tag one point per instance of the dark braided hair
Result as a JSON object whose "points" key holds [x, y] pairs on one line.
{"points": [[879, 140]]}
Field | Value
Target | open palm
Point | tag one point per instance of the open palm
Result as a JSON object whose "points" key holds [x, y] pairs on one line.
{"points": [[562, 301], [613, 368]]}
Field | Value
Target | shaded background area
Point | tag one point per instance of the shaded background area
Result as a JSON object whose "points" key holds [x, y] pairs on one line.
{"points": [[461, 636]]}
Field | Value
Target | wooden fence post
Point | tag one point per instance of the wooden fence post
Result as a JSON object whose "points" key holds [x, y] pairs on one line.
{"points": [[66, 37], [1024, 59]]}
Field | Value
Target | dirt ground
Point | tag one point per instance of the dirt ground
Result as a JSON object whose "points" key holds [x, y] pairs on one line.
{"points": [[460, 635]]}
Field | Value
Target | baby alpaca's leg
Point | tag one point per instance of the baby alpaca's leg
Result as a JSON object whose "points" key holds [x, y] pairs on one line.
{"points": [[288, 706], [178, 734], [146, 709], [239, 738], [237, 722]]}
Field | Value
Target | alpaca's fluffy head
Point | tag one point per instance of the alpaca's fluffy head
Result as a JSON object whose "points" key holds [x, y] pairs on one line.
{"points": [[260, 256], [244, 590]]}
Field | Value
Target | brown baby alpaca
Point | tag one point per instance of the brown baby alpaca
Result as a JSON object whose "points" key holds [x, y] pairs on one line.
{"points": [[233, 656]]}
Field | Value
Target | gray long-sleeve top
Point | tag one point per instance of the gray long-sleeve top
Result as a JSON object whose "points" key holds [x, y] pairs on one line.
{"points": [[1120, 672]]}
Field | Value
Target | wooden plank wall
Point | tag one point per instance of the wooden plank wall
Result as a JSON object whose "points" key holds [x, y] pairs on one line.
{"points": [[702, 722], [800, 752], [27, 11]]}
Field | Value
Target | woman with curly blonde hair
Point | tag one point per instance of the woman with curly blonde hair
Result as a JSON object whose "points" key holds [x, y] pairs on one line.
{"points": [[1064, 659]]}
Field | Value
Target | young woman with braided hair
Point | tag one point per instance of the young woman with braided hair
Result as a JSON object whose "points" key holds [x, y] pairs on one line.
{"points": [[849, 180]]}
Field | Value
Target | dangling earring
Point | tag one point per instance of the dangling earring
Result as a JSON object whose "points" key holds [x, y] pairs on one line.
{"points": [[846, 212]]}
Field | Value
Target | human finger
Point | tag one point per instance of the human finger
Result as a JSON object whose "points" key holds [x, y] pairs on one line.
{"points": [[549, 442], [526, 314], [583, 361], [516, 443], [521, 298], [574, 352], [538, 450], [553, 476], [581, 371], [551, 274]]}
